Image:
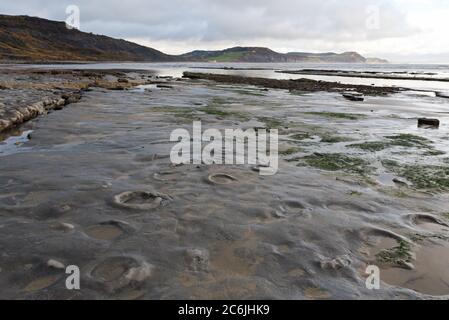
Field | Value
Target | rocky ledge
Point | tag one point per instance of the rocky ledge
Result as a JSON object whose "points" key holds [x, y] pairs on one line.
{"points": [[28, 93], [299, 84]]}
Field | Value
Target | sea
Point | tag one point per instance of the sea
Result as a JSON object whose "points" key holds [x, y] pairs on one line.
{"points": [[438, 72]]}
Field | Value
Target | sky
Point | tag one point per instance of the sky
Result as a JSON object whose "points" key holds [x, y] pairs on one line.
{"points": [[399, 30]]}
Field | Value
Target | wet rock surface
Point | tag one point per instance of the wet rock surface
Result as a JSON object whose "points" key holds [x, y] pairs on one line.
{"points": [[28, 93], [69, 196]]}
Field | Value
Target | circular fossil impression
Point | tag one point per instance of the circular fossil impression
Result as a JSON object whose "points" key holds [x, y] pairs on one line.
{"points": [[428, 222], [109, 230], [115, 273], [221, 178], [141, 200], [113, 268], [42, 283]]}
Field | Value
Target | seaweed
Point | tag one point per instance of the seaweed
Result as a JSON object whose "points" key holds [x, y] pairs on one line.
{"points": [[336, 162], [428, 177], [338, 115], [271, 123], [372, 146], [290, 151], [410, 141], [399, 256], [328, 138]]}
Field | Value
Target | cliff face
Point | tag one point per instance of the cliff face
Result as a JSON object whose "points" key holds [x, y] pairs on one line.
{"points": [[35, 39]]}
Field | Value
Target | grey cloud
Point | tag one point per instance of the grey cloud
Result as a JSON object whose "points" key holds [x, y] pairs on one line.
{"points": [[230, 20]]}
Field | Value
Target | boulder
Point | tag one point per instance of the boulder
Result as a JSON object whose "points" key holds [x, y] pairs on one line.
{"points": [[428, 123], [353, 96], [164, 86], [442, 94]]}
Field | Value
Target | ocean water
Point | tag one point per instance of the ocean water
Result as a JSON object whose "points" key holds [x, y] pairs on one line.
{"points": [[268, 70]]}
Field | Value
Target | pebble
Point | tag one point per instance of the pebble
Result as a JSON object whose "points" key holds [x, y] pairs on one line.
{"points": [[63, 226], [140, 273], [55, 264], [400, 182], [198, 259], [338, 263]]}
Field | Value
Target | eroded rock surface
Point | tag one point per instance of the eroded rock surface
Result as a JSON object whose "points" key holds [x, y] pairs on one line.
{"points": [[223, 231]]}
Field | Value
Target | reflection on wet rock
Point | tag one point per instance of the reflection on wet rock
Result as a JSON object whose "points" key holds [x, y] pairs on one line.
{"points": [[63, 226], [109, 230], [55, 264]]}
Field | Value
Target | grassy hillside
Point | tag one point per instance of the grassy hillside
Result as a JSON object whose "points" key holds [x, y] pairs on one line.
{"points": [[35, 39]]}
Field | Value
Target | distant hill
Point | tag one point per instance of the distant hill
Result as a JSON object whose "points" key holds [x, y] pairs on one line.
{"points": [[376, 60], [258, 54], [237, 54], [34, 39], [329, 57], [31, 39]]}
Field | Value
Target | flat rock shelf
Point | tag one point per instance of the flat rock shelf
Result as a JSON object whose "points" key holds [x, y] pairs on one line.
{"points": [[92, 185]]}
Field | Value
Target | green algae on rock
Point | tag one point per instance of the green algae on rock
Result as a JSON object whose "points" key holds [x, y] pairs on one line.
{"points": [[371, 146], [271, 123], [212, 110], [400, 140], [336, 162], [410, 140], [338, 115], [329, 138], [301, 136], [400, 256], [289, 151], [424, 177]]}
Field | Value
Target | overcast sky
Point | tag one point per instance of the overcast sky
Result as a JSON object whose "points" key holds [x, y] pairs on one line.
{"points": [[401, 30]]}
